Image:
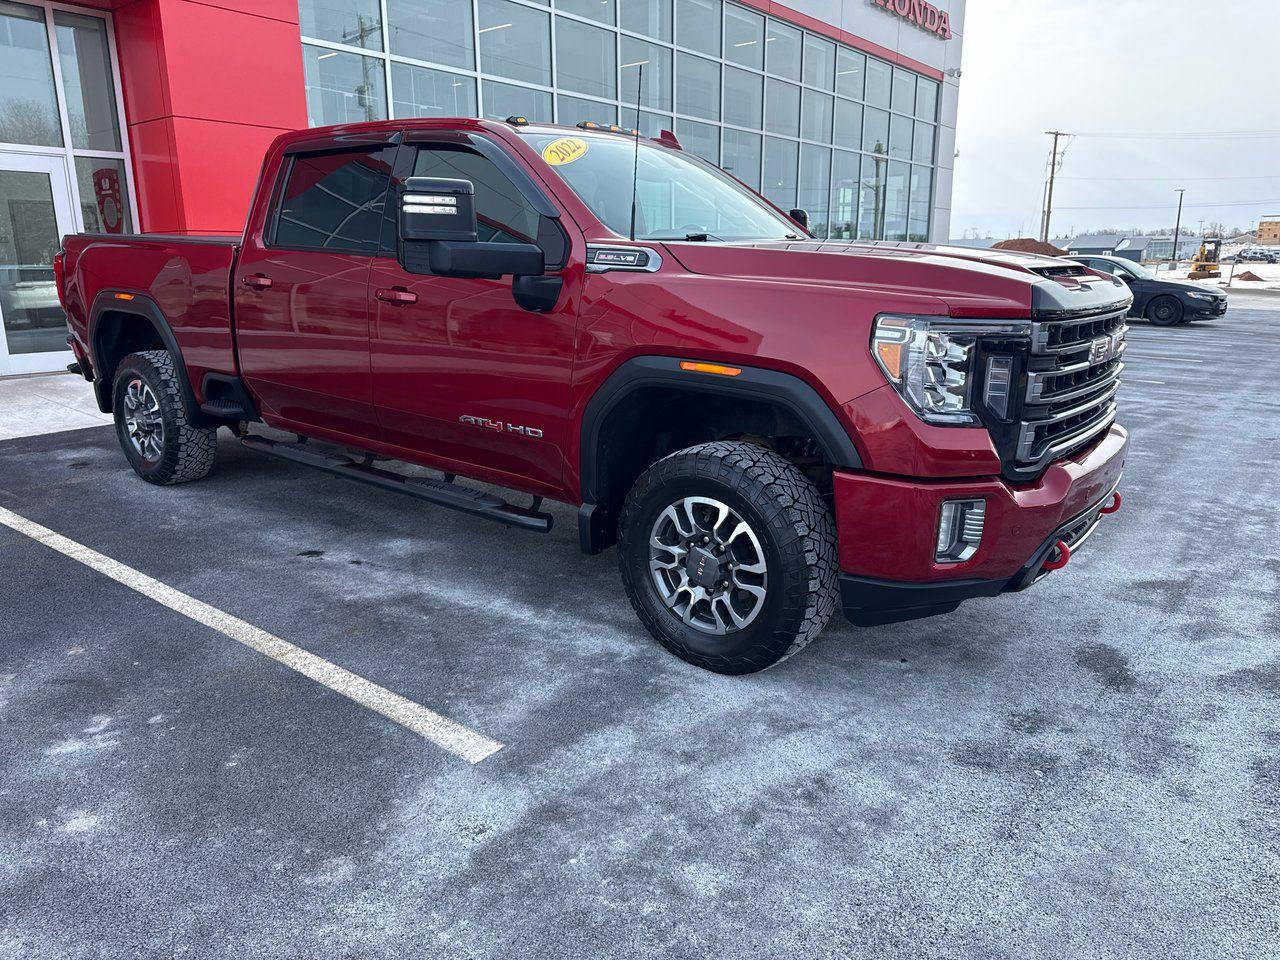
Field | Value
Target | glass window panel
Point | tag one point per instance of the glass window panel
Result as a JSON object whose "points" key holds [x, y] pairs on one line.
{"points": [[700, 139], [29, 239], [851, 69], [922, 150], [698, 25], [815, 187], [900, 137], [780, 161], [904, 91], [423, 92], [875, 131], [782, 107], [28, 100], [104, 195], [743, 97], [879, 82], [921, 203], [437, 30], [742, 156], [515, 42], [782, 50], [845, 174], [926, 99], [586, 60], [334, 201], [650, 17], [655, 86], [743, 37], [895, 200], [649, 124], [848, 131], [602, 10], [357, 23], [343, 87], [573, 110], [697, 86], [816, 119], [85, 63], [502, 100], [819, 62], [871, 199], [504, 214]]}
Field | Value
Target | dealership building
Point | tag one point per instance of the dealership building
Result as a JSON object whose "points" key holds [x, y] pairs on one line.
{"points": [[153, 115]]}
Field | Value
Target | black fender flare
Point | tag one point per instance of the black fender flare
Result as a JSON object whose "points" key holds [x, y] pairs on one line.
{"points": [[143, 306], [755, 383]]}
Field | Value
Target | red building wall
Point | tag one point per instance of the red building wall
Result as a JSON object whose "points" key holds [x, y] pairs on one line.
{"points": [[207, 84]]}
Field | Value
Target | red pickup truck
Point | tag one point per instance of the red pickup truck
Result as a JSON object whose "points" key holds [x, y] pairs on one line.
{"points": [[765, 424]]}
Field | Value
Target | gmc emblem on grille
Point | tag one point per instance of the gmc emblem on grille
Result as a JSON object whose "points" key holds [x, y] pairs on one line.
{"points": [[1101, 349]]}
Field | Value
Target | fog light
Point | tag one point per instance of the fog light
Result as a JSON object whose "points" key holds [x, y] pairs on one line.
{"points": [[960, 524]]}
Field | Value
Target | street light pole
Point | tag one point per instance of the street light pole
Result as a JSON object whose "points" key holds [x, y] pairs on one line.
{"points": [[1176, 231]]}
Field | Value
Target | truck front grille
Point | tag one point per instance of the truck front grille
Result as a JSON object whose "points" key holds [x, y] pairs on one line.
{"points": [[1073, 374]]}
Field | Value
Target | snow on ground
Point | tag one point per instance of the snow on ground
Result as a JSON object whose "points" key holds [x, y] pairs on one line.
{"points": [[1269, 272]]}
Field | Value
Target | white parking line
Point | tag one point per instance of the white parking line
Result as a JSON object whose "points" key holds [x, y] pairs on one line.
{"points": [[1158, 383], [452, 736], [1156, 356]]}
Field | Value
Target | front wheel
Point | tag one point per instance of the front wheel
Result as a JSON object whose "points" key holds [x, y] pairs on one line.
{"points": [[728, 555], [1165, 312], [153, 421]]}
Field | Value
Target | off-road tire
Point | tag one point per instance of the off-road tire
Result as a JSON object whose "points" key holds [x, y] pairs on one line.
{"points": [[186, 451], [794, 527], [1165, 311]]}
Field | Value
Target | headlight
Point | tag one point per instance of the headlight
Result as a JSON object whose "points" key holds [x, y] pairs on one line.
{"points": [[929, 360], [1201, 296]]}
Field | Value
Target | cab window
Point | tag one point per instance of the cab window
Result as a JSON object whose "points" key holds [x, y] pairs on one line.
{"points": [[333, 201]]}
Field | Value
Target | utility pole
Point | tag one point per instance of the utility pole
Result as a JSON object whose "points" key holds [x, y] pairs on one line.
{"points": [[1053, 172], [1177, 230]]}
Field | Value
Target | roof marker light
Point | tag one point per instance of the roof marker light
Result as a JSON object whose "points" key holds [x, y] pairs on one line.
{"points": [[124, 296], [717, 368]]}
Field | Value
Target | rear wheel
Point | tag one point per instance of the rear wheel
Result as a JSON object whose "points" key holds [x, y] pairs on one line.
{"points": [[153, 422], [1164, 312], [728, 555]]}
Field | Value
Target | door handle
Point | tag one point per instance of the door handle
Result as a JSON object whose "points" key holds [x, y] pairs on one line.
{"points": [[257, 281], [395, 295]]}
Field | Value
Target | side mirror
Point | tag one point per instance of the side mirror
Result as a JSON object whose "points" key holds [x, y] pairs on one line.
{"points": [[800, 216], [433, 208]]}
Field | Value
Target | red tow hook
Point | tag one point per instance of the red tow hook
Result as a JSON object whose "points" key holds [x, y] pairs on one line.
{"points": [[1114, 505], [1060, 558]]}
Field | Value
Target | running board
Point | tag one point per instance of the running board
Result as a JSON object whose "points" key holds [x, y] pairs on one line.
{"points": [[440, 492]]}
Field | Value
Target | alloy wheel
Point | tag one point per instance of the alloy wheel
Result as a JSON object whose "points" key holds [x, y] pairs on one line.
{"points": [[143, 421]]}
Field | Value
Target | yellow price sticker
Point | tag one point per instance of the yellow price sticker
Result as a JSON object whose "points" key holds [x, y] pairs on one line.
{"points": [[564, 150]]}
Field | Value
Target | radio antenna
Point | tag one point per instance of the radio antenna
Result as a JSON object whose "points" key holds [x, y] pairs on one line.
{"points": [[635, 164]]}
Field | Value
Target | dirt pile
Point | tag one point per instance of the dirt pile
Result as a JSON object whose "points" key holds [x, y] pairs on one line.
{"points": [[1249, 275]]}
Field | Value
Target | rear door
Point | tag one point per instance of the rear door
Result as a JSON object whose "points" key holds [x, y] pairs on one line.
{"points": [[461, 373], [302, 293]]}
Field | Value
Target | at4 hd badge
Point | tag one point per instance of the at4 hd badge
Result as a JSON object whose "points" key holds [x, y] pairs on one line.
{"points": [[499, 426]]}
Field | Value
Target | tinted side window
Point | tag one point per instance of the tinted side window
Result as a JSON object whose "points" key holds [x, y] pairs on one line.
{"points": [[334, 201], [502, 213]]}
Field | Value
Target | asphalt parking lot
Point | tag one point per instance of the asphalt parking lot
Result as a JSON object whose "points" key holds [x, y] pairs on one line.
{"points": [[1087, 769]]}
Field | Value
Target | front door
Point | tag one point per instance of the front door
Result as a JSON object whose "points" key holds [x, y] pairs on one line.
{"points": [[35, 214], [462, 374]]}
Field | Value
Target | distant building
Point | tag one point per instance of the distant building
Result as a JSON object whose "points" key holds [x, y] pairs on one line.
{"points": [[1134, 248], [1161, 248], [1269, 231], [1103, 244]]}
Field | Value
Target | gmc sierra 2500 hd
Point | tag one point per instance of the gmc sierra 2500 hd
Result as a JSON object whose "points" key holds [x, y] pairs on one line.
{"points": [[765, 424]]}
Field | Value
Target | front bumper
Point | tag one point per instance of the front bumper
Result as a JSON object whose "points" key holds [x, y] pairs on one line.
{"points": [[888, 531], [1203, 310]]}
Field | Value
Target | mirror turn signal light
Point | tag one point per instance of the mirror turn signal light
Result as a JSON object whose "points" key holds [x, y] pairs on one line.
{"points": [[717, 368]]}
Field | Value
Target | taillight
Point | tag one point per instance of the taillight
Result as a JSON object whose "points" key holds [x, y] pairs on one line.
{"points": [[58, 278]]}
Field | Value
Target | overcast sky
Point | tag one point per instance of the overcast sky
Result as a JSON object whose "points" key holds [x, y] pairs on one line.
{"points": [[1117, 67]]}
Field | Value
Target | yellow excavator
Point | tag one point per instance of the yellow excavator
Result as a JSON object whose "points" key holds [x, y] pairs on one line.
{"points": [[1205, 265]]}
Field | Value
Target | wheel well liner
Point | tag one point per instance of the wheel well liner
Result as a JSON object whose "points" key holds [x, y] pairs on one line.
{"points": [[755, 401], [115, 332]]}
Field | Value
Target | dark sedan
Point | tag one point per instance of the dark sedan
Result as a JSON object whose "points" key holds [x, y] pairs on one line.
{"points": [[1163, 302]]}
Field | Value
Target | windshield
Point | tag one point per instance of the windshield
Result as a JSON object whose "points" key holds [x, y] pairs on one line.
{"points": [[1139, 270], [677, 196]]}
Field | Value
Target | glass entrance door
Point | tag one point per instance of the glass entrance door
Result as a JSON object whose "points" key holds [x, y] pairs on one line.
{"points": [[35, 214]]}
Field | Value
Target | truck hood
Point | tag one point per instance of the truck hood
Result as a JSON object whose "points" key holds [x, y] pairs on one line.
{"points": [[969, 283]]}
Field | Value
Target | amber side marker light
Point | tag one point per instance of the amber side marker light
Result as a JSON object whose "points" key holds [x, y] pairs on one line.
{"points": [[715, 368], [124, 296]]}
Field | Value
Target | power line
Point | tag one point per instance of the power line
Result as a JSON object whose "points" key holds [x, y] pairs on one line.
{"points": [[1265, 176], [1165, 206], [1187, 135]]}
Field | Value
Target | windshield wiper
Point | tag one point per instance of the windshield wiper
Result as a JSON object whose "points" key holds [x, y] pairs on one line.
{"points": [[703, 237]]}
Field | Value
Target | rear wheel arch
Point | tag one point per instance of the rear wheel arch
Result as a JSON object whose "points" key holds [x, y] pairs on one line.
{"points": [[649, 408], [118, 328]]}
